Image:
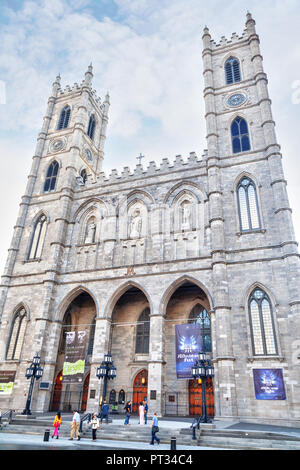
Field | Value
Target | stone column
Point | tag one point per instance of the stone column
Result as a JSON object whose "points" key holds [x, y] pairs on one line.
{"points": [[155, 365], [101, 347]]}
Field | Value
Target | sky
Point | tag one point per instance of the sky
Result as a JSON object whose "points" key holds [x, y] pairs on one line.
{"points": [[148, 55]]}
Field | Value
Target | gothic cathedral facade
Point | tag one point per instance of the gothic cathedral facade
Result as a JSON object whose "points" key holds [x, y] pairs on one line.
{"points": [[128, 256]]}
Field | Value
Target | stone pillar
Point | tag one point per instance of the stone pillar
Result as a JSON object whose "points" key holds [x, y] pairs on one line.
{"points": [[155, 365], [101, 347]]}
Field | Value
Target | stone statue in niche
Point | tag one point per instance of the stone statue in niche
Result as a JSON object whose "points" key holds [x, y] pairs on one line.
{"points": [[186, 223], [135, 226], [90, 232]]}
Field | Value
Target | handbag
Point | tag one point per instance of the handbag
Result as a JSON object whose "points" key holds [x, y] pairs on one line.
{"points": [[155, 429]]}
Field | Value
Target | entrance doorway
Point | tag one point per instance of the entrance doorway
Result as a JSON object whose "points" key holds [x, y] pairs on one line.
{"points": [[195, 398], [85, 393], [140, 389], [56, 397]]}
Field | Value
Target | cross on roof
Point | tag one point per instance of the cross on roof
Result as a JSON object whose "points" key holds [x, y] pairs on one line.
{"points": [[139, 158]]}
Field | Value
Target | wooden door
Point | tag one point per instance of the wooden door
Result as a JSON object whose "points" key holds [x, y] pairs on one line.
{"points": [[140, 389], [195, 398], [85, 392], [55, 405]]}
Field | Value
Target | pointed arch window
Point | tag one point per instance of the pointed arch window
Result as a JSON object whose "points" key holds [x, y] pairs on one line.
{"points": [[91, 127], [200, 315], [92, 337], [38, 238], [240, 136], [17, 335], [64, 118], [262, 324], [232, 70], [143, 332], [83, 176], [248, 205], [51, 177]]}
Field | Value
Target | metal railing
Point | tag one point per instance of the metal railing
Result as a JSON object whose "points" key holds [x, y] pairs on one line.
{"points": [[86, 417], [7, 415]]}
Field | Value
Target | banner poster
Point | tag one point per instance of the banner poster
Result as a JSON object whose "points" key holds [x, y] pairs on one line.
{"points": [[74, 361], [188, 346], [269, 384], [7, 378]]}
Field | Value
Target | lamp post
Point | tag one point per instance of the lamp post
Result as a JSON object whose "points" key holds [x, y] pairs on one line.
{"points": [[34, 371], [203, 369], [106, 371]]}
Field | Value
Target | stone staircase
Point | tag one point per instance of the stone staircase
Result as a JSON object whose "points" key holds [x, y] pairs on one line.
{"points": [[217, 438], [111, 431], [247, 440]]}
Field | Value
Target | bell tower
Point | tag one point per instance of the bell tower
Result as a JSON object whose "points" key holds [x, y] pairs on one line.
{"points": [[251, 225]]}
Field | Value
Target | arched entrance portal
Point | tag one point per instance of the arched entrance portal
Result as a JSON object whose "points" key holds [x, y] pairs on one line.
{"points": [[129, 346], [73, 393], [188, 304], [140, 389]]}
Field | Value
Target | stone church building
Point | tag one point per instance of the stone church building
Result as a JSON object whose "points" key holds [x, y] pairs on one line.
{"points": [[126, 257]]}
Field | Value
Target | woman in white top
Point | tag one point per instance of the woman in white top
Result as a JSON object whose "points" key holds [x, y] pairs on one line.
{"points": [[95, 425], [141, 413]]}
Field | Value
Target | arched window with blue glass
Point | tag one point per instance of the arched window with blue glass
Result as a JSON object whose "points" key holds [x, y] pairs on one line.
{"points": [[232, 70], [248, 205], [51, 176], [240, 135], [200, 315], [262, 324], [64, 118], [91, 127]]}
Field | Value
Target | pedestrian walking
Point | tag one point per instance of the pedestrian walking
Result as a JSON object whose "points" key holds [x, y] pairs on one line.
{"points": [[56, 425], [141, 413], [127, 409], [145, 410], [95, 425], [154, 430], [104, 412], [75, 425]]}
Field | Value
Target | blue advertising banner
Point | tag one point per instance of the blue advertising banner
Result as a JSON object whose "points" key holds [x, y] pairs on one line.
{"points": [[268, 384], [188, 345]]}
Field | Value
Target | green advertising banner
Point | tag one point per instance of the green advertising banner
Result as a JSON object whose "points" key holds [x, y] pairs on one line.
{"points": [[74, 363], [7, 378]]}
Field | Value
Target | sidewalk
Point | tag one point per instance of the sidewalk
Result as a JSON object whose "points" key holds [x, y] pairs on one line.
{"points": [[10, 441]]}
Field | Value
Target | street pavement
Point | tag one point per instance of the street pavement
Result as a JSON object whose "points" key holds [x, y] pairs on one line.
{"points": [[9, 441]]}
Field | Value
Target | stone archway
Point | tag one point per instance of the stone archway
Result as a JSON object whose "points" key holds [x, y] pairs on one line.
{"points": [[186, 303], [79, 316]]}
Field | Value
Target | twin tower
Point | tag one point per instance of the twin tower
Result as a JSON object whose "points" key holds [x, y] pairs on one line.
{"points": [[219, 225]]}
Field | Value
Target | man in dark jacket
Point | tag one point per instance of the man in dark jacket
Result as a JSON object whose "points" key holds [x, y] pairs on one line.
{"points": [[104, 412]]}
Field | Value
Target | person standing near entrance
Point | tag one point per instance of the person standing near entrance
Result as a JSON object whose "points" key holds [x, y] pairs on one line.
{"points": [[56, 424], [154, 430], [127, 409], [75, 425], [95, 425], [145, 410], [104, 412], [141, 413]]}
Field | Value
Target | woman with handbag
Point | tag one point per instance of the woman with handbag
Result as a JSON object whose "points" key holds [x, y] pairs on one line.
{"points": [[56, 424], [154, 430], [95, 425]]}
